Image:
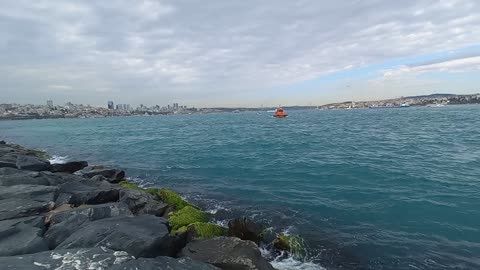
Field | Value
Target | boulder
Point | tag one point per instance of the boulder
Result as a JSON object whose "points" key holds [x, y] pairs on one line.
{"points": [[87, 192], [140, 202], [293, 244], [69, 167], [8, 160], [25, 200], [32, 163], [113, 175], [65, 223], [227, 253], [163, 262], [94, 258], [141, 236], [245, 229], [22, 236], [3, 142], [17, 208], [10, 177]]}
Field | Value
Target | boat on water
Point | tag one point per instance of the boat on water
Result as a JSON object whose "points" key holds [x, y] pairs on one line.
{"points": [[280, 113]]}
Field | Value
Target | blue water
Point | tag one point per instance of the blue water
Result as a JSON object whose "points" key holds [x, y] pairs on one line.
{"points": [[366, 189]]}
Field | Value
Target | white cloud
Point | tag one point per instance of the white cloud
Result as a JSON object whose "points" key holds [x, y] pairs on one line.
{"points": [[159, 51]]}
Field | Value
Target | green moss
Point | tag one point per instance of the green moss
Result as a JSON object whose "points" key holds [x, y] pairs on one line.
{"points": [[291, 243], [38, 153], [129, 185], [186, 216], [173, 199], [207, 230]]}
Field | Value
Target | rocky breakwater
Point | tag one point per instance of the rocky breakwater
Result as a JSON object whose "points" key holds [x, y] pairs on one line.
{"points": [[72, 216]]}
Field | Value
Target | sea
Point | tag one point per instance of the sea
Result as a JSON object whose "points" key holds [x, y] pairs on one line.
{"points": [[364, 189]]}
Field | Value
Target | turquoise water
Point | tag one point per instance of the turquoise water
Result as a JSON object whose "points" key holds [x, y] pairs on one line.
{"points": [[366, 189]]}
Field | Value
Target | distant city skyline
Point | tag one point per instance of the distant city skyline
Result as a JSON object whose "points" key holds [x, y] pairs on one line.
{"points": [[236, 54]]}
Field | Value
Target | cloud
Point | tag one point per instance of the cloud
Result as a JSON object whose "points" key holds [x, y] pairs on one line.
{"points": [[160, 51]]}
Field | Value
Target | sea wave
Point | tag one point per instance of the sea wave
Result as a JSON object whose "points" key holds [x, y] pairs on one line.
{"points": [[58, 159]]}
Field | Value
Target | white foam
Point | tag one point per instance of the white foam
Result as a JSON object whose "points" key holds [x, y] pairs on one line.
{"points": [[58, 159], [292, 264]]}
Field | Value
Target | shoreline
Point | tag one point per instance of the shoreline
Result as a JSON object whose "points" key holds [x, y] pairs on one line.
{"points": [[70, 208]]}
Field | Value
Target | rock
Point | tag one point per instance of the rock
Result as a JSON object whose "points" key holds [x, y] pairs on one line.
{"points": [[291, 243], [227, 253], [17, 208], [94, 258], [164, 263], [25, 200], [141, 236], [69, 167], [185, 217], [140, 202], [87, 192], [32, 163], [3, 142], [245, 229], [113, 175], [65, 223], [204, 230], [10, 177], [22, 236], [8, 160]]}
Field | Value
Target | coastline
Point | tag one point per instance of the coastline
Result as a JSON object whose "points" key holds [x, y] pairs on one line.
{"points": [[73, 210]]}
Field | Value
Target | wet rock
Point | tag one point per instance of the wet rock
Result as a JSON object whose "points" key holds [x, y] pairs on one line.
{"points": [[11, 176], [32, 163], [17, 208], [245, 229], [3, 142], [113, 175], [25, 200], [66, 222], [87, 192], [141, 236], [22, 236], [164, 263], [69, 167], [140, 202], [227, 253], [94, 258], [8, 160]]}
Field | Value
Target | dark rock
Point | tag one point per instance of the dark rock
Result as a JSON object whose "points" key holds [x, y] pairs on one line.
{"points": [[22, 236], [245, 229], [17, 208], [94, 258], [8, 160], [32, 163], [164, 263], [25, 200], [227, 253], [113, 175], [65, 223], [69, 167], [3, 142], [87, 192], [10, 177], [141, 236], [140, 202]]}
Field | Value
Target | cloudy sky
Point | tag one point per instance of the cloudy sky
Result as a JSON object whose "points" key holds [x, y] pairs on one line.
{"points": [[236, 53]]}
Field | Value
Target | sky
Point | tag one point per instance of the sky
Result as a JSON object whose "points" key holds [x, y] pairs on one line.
{"points": [[236, 53]]}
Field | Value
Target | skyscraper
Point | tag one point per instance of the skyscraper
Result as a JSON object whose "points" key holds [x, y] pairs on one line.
{"points": [[50, 103], [110, 105]]}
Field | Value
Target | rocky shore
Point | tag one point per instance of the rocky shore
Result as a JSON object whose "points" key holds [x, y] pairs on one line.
{"points": [[76, 216]]}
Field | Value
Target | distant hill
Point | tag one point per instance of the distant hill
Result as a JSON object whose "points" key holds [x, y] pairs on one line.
{"points": [[432, 96]]}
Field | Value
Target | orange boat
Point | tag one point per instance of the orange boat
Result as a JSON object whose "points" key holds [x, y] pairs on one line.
{"points": [[279, 113]]}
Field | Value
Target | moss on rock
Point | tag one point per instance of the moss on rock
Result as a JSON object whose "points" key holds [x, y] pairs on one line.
{"points": [[292, 243], [173, 199], [129, 185], [38, 153], [202, 230], [186, 216]]}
